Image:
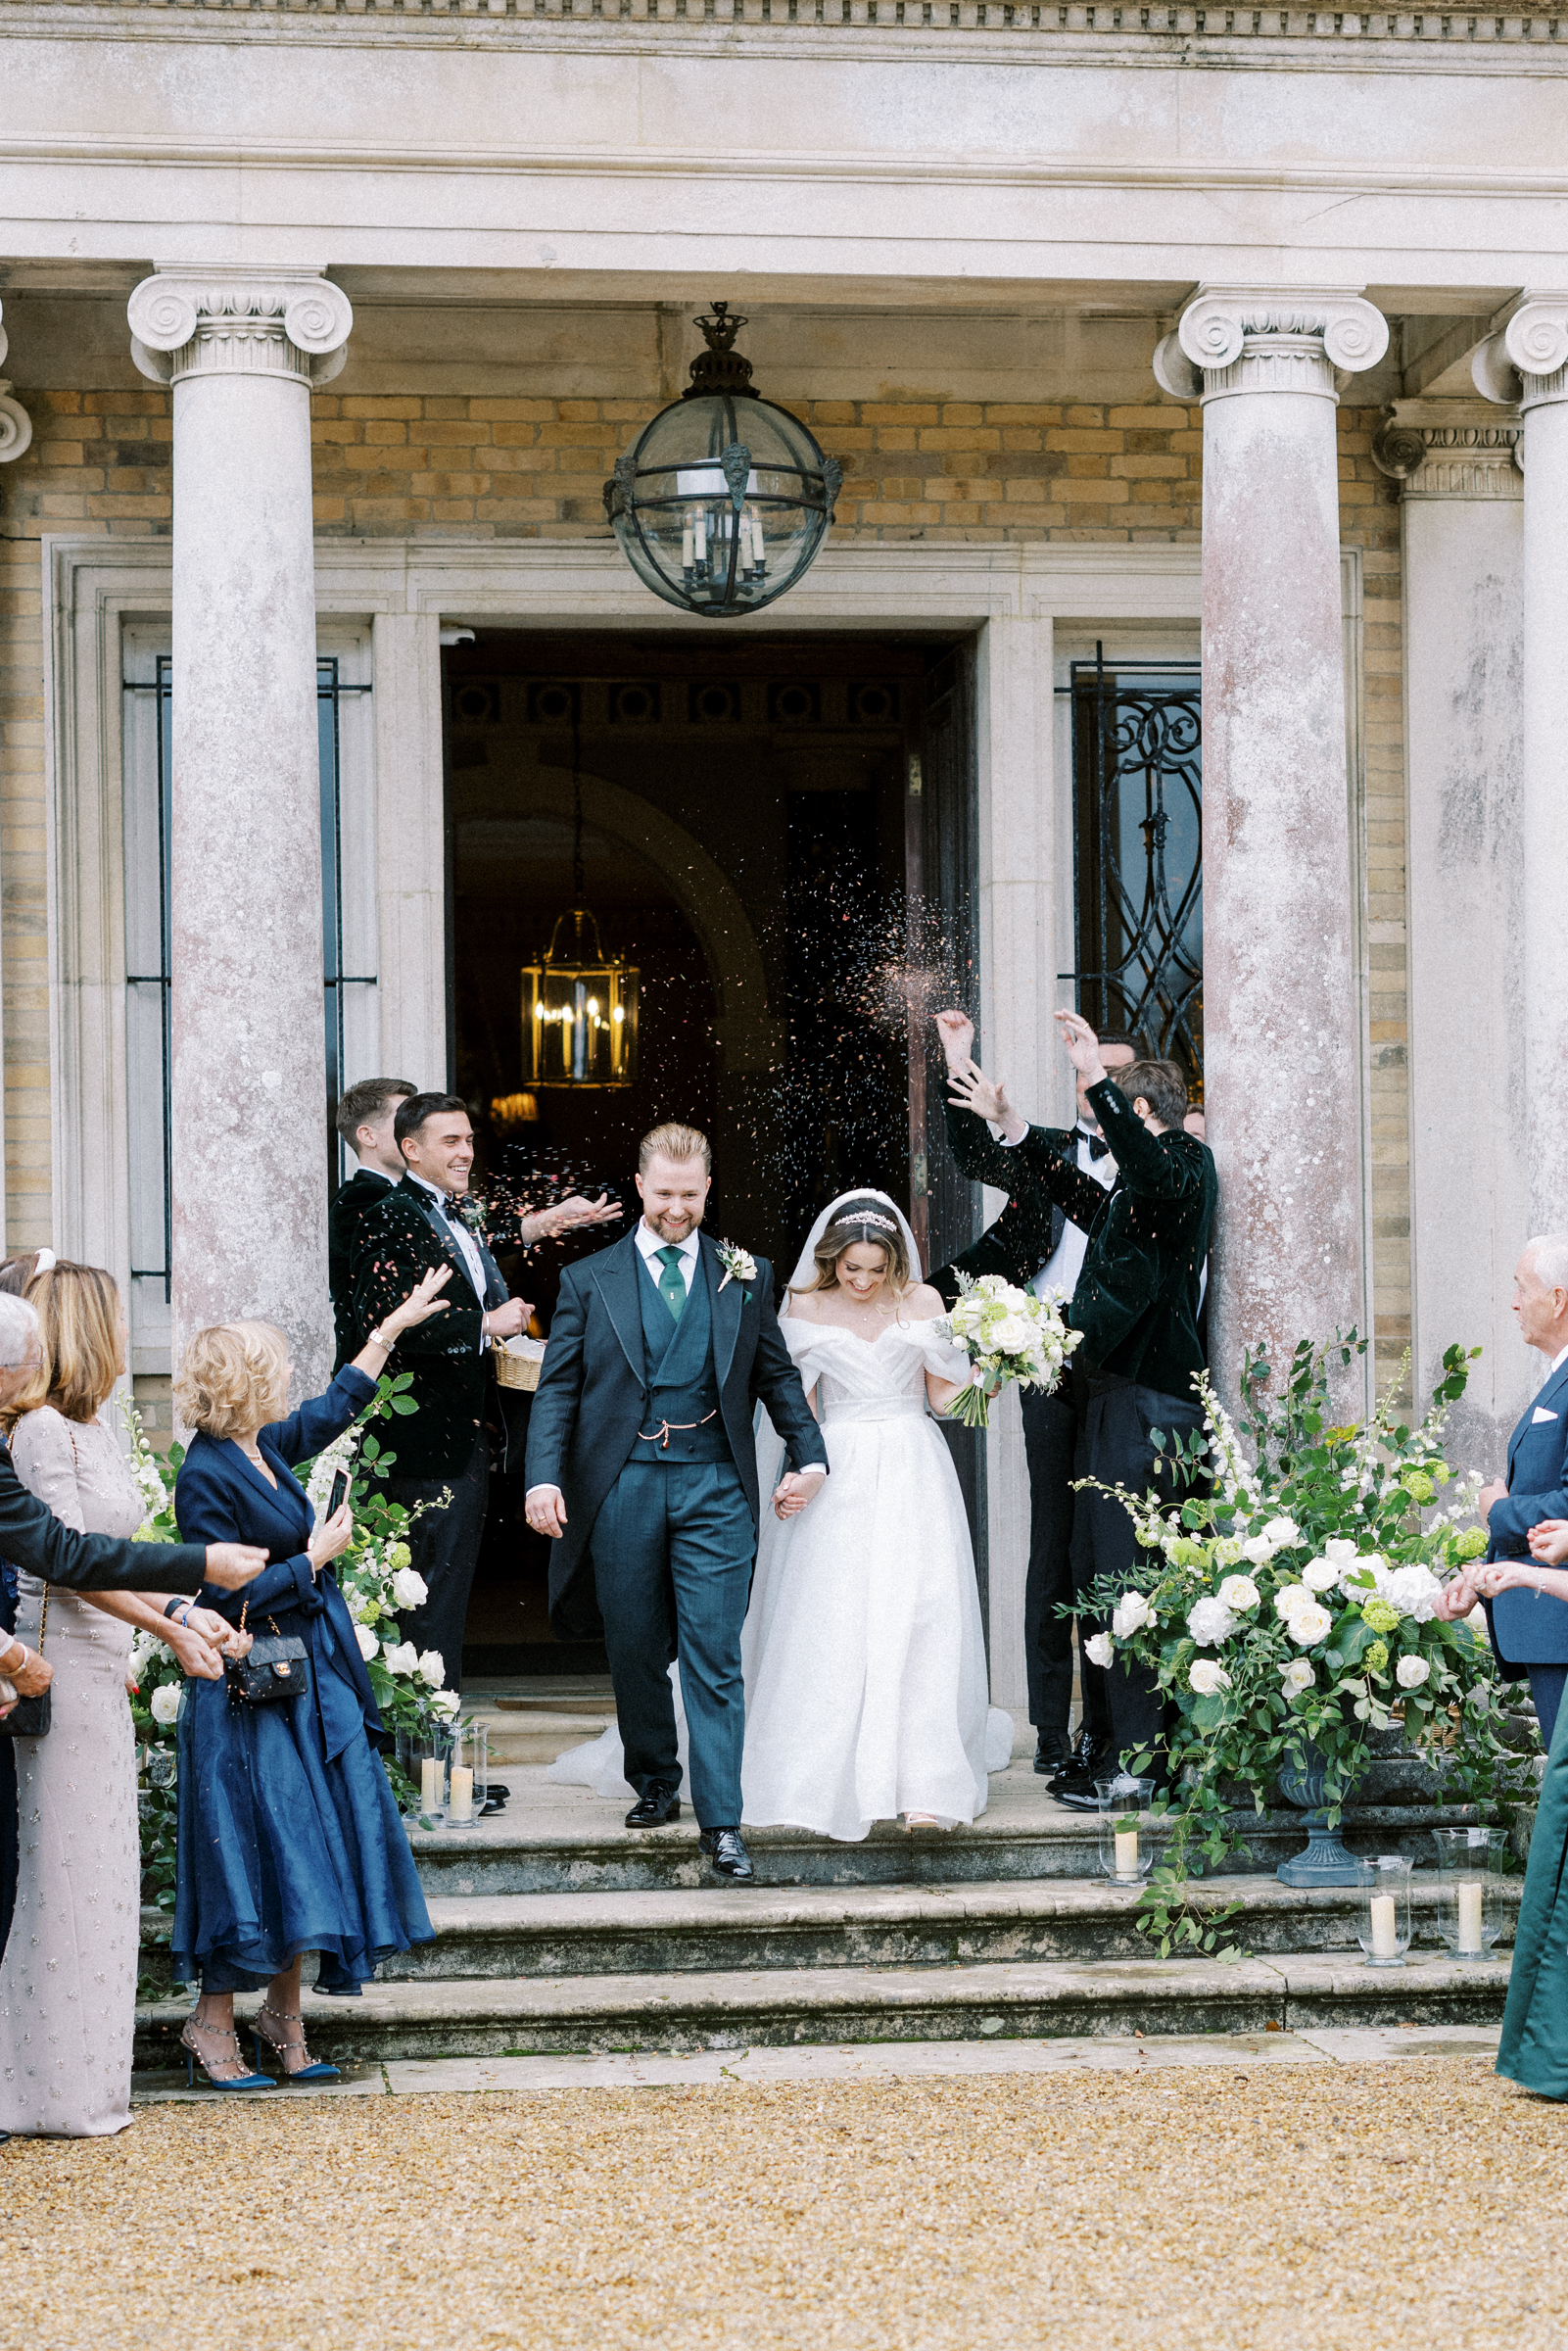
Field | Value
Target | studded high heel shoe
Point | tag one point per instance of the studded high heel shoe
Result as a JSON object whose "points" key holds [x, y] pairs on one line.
{"points": [[319, 2071], [194, 2058]]}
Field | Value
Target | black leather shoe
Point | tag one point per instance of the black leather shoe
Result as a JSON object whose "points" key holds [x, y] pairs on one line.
{"points": [[1074, 1764], [1052, 1753], [1076, 1788], [725, 1849], [652, 1810]]}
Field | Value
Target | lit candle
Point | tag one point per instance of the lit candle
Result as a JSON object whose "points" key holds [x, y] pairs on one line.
{"points": [[460, 1805], [1470, 1893], [1126, 1852], [686, 545], [431, 1784], [703, 534], [1385, 1945]]}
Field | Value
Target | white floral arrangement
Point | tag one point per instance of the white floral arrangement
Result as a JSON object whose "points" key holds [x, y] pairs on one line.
{"points": [[1012, 1338]]}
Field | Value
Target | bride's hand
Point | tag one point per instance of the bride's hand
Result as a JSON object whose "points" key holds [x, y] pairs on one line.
{"points": [[793, 1493]]}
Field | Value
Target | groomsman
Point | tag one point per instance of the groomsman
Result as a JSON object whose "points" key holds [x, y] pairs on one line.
{"points": [[364, 1121], [1033, 1244]]}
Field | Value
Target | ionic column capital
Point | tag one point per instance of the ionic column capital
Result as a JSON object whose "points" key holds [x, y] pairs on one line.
{"points": [[1460, 448], [1234, 338], [16, 425], [1528, 361], [293, 324]]}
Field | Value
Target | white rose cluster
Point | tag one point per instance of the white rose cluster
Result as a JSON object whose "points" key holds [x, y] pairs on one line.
{"points": [[1011, 1335], [1305, 1619]]}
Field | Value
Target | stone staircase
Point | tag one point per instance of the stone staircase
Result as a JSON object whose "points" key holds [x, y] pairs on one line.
{"points": [[558, 1930]]}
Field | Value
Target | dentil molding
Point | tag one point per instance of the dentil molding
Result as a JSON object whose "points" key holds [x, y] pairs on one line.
{"points": [[1235, 339], [186, 322], [1449, 449], [16, 425], [1528, 361]]}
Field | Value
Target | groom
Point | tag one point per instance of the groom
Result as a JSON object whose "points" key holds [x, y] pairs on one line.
{"points": [[640, 1441]]}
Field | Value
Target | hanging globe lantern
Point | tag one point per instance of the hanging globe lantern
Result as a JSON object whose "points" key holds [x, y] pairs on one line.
{"points": [[723, 501], [579, 1004]]}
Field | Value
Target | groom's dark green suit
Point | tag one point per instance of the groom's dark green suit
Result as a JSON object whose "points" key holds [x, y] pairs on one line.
{"points": [[644, 1420]]}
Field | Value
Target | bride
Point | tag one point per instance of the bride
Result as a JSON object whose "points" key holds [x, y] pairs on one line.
{"points": [[863, 1650]]}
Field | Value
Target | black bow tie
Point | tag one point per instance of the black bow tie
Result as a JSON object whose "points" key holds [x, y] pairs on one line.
{"points": [[1098, 1146]]}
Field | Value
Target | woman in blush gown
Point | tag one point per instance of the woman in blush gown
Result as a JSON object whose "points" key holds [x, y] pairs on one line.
{"points": [[864, 1652]]}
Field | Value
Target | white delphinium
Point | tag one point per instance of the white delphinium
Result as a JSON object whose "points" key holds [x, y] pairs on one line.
{"points": [[1099, 1649], [1297, 1676], [1204, 1677], [1239, 1593], [1411, 1672], [165, 1701], [1210, 1622], [339, 1455], [1130, 1614]]}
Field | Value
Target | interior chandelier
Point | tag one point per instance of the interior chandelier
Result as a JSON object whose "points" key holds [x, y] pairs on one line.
{"points": [[723, 500], [579, 1004]]}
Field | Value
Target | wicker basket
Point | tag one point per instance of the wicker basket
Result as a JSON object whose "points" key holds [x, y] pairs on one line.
{"points": [[517, 1370]]}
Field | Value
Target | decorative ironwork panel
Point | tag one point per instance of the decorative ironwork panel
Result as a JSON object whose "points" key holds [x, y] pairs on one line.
{"points": [[1137, 754]]}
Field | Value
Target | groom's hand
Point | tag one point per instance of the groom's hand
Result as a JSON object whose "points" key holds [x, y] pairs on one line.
{"points": [[793, 1493], [545, 1507]]}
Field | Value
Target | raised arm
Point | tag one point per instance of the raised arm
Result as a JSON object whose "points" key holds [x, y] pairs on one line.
{"points": [[387, 1267], [1161, 1167]]}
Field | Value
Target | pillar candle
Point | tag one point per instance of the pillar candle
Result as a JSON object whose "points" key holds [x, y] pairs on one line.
{"points": [[1470, 1894], [758, 552], [686, 547], [1384, 1939], [1126, 1852], [462, 1803], [431, 1787]]}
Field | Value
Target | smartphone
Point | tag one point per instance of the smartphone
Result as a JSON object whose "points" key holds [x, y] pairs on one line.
{"points": [[339, 1493]]}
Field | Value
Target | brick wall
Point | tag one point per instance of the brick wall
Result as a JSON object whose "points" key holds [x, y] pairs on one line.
{"points": [[496, 468]]}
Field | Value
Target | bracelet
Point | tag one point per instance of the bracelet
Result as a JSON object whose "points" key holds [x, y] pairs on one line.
{"points": [[378, 1338], [178, 1601], [15, 1641]]}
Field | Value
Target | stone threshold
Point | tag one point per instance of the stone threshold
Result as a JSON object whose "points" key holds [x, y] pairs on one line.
{"points": [[861, 2062]]}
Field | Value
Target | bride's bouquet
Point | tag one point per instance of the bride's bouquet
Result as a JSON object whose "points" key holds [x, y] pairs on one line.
{"points": [[1011, 1338]]}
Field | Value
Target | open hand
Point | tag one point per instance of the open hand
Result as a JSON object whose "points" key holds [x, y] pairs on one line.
{"points": [[1083, 1046], [969, 1088], [420, 1303], [565, 1216], [957, 1032], [331, 1538]]}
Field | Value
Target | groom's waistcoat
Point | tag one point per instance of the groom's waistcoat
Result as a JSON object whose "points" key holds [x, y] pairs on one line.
{"points": [[683, 1383]]}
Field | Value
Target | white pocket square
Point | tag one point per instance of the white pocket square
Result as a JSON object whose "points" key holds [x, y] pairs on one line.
{"points": [[1541, 1413]]}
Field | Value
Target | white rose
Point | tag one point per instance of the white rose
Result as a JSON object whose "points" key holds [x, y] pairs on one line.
{"points": [[444, 1701], [1259, 1549], [408, 1589], [432, 1667], [1411, 1672], [1099, 1649], [1012, 1335], [165, 1701], [1210, 1621], [1291, 1596], [1321, 1575], [1239, 1592], [1204, 1677], [400, 1656], [368, 1643], [1297, 1676], [1282, 1532], [1308, 1623], [1341, 1552], [1131, 1612]]}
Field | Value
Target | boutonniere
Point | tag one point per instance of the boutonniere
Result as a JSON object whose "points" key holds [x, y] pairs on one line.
{"points": [[739, 1264]]}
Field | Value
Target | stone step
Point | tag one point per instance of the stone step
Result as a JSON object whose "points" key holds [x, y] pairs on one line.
{"points": [[565, 1841], [1026, 2000], [863, 1926], [538, 1735]]}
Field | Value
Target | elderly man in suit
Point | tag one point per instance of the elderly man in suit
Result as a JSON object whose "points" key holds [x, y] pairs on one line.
{"points": [[1528, 1626], [641, 1443], [1033, 1244]]}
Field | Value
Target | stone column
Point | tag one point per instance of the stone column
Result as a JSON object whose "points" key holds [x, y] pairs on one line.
{"points": [[1461, 523], [1280, 1019], [1528, 364], [242, 349]]}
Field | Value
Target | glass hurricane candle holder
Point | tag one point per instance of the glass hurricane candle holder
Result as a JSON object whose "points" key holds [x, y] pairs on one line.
{"points": [[460, 1813], [479, 1764], [1384, 1928], [1126, 1837], [429, 1759], [1469, 1908]]}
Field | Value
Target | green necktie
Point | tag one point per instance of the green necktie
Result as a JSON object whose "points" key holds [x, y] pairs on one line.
{"points": [[672, 1289]]}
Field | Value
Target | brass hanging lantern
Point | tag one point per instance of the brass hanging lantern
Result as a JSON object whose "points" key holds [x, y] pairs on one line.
{"points": [[579, 1004]]}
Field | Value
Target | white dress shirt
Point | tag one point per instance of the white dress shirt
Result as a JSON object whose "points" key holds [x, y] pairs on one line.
{"points": [[1063, 1267], [649, 1244], [466, 1242]]}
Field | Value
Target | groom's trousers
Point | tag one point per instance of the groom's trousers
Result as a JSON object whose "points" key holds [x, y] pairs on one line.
{"points": [[673, 1551]]}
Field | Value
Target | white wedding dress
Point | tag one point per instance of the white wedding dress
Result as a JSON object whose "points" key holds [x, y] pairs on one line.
{"points": [[863, 1649]]}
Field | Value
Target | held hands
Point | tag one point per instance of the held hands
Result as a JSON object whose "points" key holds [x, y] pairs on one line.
{"points": [[233, 1566], [506, 1322], [1083, 1046], [333, 1536], [1548, 1542], [1456, 1599], [545, 1510], [793, 1493], [198, 1660], [218, 1632]]}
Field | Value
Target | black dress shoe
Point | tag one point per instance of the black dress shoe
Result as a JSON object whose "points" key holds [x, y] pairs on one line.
{"points": [[1076, 1787], [1074, 1764], [725, 1849], [652, 1810], [1052, 1753]]}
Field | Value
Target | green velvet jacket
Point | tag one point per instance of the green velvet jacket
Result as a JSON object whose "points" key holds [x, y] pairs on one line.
{"points": [[1136, 1301]]}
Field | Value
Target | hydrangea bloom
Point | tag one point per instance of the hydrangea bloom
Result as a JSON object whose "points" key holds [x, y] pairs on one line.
{"points": [[1376, 1657], [1210, 1621], [1378, 1615]]}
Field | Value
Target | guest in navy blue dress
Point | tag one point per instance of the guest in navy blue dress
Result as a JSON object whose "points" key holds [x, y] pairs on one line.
{"points": [[289, 1837]]}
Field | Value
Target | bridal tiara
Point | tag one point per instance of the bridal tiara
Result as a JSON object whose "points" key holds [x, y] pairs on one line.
{"points": [[883, 1223]]}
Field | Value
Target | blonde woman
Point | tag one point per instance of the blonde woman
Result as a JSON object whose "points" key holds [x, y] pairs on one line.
{"points": [[68, 1985], [864, 1653], [289, 1840]]}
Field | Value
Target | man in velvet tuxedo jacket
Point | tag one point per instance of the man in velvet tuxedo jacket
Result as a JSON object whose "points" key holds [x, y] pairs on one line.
{"points": [[642, 1444], [365, 1118]]}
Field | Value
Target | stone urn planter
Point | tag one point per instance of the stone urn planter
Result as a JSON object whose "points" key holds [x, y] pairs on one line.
{"points": [[1324, 1860]]}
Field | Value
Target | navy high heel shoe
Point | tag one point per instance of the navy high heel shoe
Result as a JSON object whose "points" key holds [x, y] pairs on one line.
{"points": [[319, 2071], [194, 2058]]}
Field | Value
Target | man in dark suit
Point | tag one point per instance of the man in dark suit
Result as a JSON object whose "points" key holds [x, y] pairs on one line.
{"points": [[642, 1442], [1136, 1302], [1528, 1628], [364, 1120], [1033, 1244]]}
